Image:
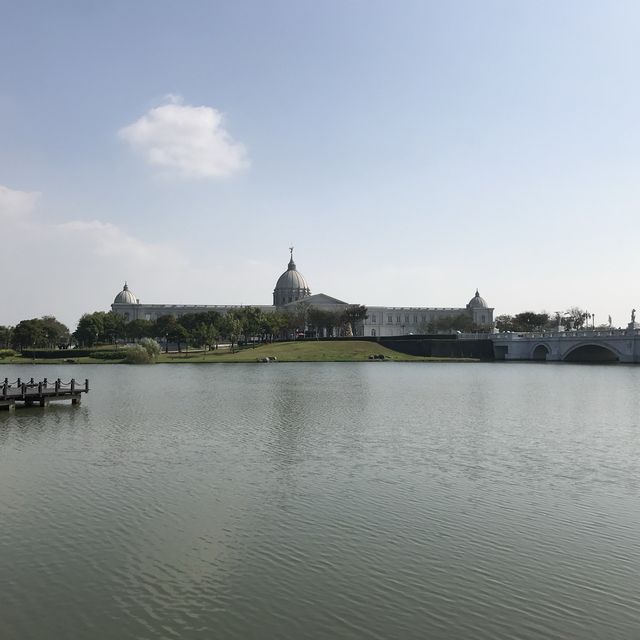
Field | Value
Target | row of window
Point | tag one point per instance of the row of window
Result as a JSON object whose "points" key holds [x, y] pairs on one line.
{"points": [[407, 319]]}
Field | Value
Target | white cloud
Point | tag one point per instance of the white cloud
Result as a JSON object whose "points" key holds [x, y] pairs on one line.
{"points": [[16, 204], [93, 258], [191, 140]]}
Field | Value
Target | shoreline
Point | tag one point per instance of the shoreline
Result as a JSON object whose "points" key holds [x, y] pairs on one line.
{"points": [[342, 351]]}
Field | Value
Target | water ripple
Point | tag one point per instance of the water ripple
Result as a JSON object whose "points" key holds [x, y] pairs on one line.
{"points": [[325, 501]]}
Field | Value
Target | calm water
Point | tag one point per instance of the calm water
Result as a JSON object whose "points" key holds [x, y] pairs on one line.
{"points": [[374, 500]]}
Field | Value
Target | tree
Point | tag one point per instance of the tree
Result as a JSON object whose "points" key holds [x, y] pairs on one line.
{"points": [[530, 321], [298, 318], [137, 329], [320, 320], [100, 326], [90, 327], [56, 333], [230, 328], [179, 335], [353, 314], [251, 320], [113, 327], [504, 323], [574, 317], [164, 326], [5, 336], [273, 324], [29, 333], [204, 334]]}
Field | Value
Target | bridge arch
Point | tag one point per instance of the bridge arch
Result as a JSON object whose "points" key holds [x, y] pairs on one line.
{"points": [[590, 352], [540, 352]]}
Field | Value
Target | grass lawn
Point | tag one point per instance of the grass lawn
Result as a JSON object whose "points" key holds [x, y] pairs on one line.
{"points": [[303, 351]]}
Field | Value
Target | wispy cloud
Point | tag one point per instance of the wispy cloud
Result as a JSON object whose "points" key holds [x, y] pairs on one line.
{"points": [[14, 204], [93, 258], [190, 140]]}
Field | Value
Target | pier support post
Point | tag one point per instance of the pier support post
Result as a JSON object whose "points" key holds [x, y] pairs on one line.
{"points": [[44, 402], [76, 400]]}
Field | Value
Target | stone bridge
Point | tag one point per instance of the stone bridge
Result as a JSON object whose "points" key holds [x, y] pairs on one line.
{"points": [[611, 345]]}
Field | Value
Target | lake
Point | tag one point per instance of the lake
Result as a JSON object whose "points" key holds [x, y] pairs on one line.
{"points": [[373, 500]]}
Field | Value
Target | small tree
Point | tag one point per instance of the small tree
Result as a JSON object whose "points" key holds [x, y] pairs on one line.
{"points": [[163, 327], [574, 318], [137, 354], [204, 334], [273, 324], [151, 347], [5, 336], [145, 352], [230, 328]]}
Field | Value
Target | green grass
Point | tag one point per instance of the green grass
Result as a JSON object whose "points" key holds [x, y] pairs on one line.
{"points": [[303, 351]]}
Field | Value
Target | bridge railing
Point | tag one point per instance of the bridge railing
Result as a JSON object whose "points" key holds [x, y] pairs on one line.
{"points": [[583, 333]]}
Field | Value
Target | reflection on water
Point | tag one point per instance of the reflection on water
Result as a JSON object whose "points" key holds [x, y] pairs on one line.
{"points": [[324, 500]]}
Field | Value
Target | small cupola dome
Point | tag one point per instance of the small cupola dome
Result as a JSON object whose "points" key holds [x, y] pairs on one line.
{"points": [[477, 302], [125, 296]]}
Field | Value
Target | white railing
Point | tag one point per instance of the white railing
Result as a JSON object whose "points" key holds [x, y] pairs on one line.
{"points": [[583, 333]]}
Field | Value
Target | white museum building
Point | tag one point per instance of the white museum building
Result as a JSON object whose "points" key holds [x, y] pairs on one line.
{"points": [[292, 289]]}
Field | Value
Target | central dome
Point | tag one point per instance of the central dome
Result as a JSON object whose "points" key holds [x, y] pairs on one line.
{"points": [[125, 297], [291, 285]]}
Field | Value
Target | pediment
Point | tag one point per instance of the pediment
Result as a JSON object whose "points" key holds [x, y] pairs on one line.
{"points": [[318, 300], [323, 298]]}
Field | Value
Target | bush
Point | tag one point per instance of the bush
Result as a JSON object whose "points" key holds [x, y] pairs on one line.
{"points": [[137, 354], [7, 353], [107, 355], [47, 354], [151, 347]]}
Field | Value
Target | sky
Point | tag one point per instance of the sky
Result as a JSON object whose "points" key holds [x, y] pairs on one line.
{"points": [[410, 151]]}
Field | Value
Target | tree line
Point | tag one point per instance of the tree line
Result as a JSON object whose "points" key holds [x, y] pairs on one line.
{"points": [[248, 324], [572, 318], [205, 329]]}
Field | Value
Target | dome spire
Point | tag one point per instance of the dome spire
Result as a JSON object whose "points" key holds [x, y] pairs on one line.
{"points": [[291, 285]]}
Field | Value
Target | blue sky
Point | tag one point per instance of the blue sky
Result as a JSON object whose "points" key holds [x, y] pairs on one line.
{"points": [[411, 152]]}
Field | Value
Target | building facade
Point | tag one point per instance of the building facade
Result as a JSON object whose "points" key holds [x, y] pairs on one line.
{"points": [[292, 290]]}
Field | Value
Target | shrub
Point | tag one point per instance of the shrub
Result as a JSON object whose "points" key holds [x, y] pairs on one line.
{"points": [[137, 354], [50, 354], [7, 353], [107, 355], [151, 347]]}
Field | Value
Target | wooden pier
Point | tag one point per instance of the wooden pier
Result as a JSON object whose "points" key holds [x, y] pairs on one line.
{"points": [[41, 393]]}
